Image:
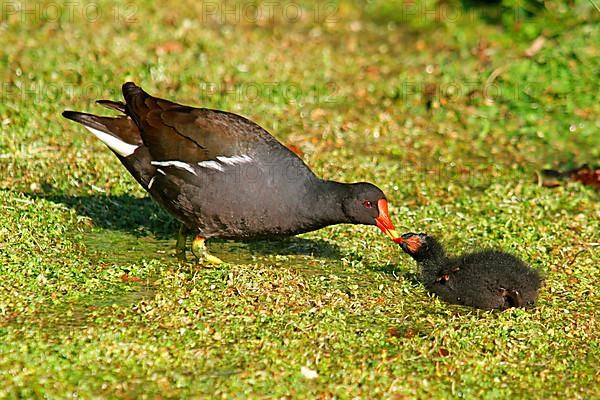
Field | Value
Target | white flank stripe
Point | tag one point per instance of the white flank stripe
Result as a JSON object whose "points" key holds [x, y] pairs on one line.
{"points": [[151, 182], [161, 171], [178, 164], [233, 160], [211, 165], [229, 161], [120, 147]]}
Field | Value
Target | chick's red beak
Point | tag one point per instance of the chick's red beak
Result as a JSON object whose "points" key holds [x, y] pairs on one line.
{"points": [[383, 220]]}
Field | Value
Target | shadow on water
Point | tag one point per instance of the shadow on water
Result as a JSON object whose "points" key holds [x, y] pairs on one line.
{"points": [[120, 247], [133, 215], [129, 228]]}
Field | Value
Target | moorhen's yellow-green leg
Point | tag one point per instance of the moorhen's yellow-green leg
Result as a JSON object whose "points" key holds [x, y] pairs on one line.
{"points": [[201, 252], [181, 241]]}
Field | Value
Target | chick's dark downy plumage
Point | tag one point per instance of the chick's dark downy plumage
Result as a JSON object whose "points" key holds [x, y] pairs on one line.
{"points": [[488, 279]]}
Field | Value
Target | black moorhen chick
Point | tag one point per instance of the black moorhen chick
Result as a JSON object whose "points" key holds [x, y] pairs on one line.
{"points": [[487, 279], [223, 176]]}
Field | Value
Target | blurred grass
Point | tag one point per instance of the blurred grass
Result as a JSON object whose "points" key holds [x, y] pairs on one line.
{"points": [[446, 114]]}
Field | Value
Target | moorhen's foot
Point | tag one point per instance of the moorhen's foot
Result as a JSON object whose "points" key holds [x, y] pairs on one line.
{"points": [[201, 252], [181, 241], [512, 298]]}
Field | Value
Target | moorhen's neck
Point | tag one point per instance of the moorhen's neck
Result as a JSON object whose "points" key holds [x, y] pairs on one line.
{"points": [[330, 197]]}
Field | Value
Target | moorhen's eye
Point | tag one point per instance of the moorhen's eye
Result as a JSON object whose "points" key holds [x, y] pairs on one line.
{"points": [[367, 204]]}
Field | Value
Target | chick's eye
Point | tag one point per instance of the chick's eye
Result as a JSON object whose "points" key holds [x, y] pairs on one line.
{"points": [[367, 204]]}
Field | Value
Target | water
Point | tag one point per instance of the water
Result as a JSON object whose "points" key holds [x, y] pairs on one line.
{"points": [[122, 248]]}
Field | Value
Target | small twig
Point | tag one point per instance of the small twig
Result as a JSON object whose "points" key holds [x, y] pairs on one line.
{"points": [[535, 47], [575, 257], [495, 73], [531, 51]]}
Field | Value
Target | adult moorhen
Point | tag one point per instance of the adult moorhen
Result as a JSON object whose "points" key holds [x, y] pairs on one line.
{"points": [[223, 176], [487, 279]]}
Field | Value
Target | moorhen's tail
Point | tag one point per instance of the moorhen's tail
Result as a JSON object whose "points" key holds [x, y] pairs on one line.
{"points": [[139, 103], [122, 136], [113, 105]]}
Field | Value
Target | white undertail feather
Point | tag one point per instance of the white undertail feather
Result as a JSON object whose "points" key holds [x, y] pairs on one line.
{"points": [[120, 147], [175, 163]]}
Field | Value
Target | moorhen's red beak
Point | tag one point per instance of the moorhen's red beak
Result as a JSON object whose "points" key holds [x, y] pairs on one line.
{"points": [[383, 220]]}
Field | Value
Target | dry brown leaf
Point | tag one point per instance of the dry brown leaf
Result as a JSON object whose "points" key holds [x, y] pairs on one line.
{"points": [[169, 47], [127, 278], [443, 352]]}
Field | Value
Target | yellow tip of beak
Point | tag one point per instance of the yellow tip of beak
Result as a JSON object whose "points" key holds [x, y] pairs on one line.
{"points": [[392, 234]]}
